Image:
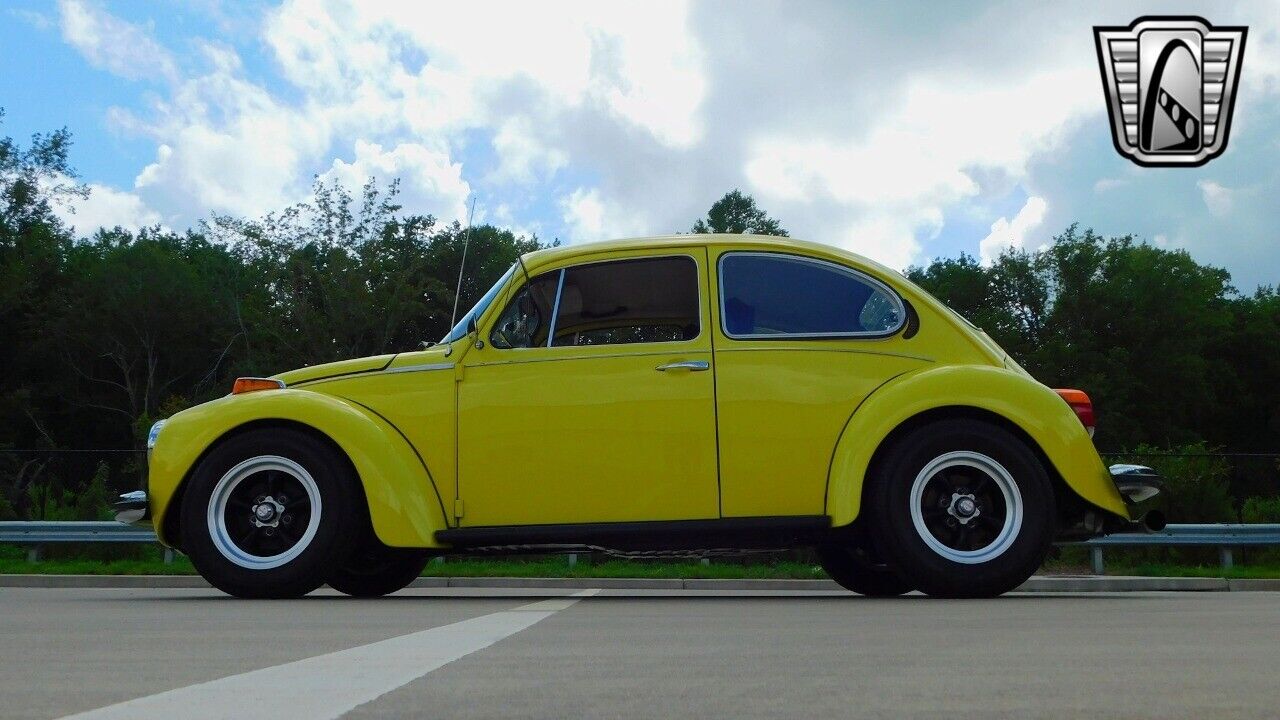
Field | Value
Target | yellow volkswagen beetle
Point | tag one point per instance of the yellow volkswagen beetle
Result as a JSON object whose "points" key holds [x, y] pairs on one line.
{"points": [[702, 392]]}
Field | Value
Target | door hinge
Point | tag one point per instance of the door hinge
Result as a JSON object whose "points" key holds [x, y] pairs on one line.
{"points": [[458, 507]]}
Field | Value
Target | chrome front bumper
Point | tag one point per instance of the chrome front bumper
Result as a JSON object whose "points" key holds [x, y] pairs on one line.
{"points": [[132, 507]]}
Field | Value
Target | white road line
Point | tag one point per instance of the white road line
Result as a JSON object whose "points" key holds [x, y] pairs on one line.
{"points": [[326, 686]]}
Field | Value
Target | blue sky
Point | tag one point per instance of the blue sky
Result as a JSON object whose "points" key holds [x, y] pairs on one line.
{"points": [[902, 131]]}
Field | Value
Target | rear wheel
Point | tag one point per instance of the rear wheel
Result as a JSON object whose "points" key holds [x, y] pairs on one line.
{"points": [[962, 508], [854, 569], [266, 514]]}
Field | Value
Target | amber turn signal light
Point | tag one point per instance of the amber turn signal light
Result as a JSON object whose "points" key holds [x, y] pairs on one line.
{"points": [[254, 384], [1082, 405]]}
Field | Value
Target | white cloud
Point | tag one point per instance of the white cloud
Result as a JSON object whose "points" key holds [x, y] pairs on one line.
{"points": [[871, 129], [591, 218], [430, 182], [522, 156], [1006, 234], [113, 44], [106, 207], [637, 61], [1217, 198]]}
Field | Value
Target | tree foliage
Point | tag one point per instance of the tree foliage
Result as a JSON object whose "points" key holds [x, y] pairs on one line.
{"points": [[104, 334], [1169, 351], [737, 213]]}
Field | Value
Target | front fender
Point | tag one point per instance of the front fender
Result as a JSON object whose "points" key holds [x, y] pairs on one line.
{"points": [[404, 505], [1034, 408]]}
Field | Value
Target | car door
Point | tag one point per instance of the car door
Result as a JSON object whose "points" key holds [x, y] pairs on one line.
{"points": [[593, 399], [799, 343]]}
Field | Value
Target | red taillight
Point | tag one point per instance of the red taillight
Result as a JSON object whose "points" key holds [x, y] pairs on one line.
{"points": [[1082, 405], [254, 384]]}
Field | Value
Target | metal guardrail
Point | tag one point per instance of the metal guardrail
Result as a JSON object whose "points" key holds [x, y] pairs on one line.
{"points": [[37, 533], [1223, 536]]}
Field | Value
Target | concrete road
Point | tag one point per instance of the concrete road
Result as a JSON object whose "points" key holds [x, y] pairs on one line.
{"points": [[474, 653]]}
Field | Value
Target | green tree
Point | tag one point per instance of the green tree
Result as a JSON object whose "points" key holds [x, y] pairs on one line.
{"points": [[1134, 325], [737, 213], [33, 179]]}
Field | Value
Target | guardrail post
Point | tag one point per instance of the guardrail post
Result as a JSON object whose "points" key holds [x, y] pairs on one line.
{"points": [[33, 554], [168, 556], [706, 561], [1224, 556], [1095, 561], [573, 559]]}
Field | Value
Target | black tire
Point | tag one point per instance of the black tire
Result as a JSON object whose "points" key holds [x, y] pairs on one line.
{"points": [[981, 555], [375, 570], [321, 544], [856, 571]]}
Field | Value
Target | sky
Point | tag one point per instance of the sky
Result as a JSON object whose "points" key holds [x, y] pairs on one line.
{"points": [[902, 131]]}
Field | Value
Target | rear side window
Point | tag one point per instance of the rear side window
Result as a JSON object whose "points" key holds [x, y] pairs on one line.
{"points": [[628, 301], [768, 295]]}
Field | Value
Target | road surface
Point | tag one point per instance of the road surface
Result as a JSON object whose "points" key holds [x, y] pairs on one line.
{"points": [[489, 653]]}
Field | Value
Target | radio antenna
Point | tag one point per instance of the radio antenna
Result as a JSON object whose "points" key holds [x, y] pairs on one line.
{"points": [[466, 241]]}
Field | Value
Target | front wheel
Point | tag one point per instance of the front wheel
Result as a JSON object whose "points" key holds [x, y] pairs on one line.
{"points": [[962, 508], [266, 514]]}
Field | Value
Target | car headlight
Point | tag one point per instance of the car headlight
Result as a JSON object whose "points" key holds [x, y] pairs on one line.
{"points": [[153, 435]]}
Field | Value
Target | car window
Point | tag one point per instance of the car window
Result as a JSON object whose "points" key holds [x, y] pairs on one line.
{"points": [[775, 295], [526, 320], [629, 301]]}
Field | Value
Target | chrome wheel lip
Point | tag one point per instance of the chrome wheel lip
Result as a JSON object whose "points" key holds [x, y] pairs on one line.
{"points": [[1002, 478], [226, 485]]}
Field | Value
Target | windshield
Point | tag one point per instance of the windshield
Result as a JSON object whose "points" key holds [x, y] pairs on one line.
{"points": [[460, 330]]}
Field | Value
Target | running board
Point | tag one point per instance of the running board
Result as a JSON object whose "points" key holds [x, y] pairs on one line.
{"points": [[750, 532]]}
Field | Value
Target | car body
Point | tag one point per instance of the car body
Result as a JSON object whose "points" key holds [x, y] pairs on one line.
{"points": [[695, 391]]}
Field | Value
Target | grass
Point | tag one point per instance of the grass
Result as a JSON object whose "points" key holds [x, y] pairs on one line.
{"points": [[148, 561]]}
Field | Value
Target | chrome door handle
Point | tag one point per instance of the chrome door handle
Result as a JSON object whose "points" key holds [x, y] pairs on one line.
{"points": [[690, 365]]}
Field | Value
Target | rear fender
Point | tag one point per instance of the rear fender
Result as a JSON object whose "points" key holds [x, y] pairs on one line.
{"points": [[1020, 400], [404, 505]]}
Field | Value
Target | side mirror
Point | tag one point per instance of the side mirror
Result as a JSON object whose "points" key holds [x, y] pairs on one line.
{"points": [[473, 329]]}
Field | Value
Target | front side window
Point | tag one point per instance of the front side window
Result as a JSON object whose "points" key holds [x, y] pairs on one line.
{"points": [[526, 320], [628, 301], [767, 295]]}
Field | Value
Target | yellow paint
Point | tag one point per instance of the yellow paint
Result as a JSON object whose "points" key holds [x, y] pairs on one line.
{"points": [[1028, 404], [404, 506], [596, 434], [782, 408], [588, 433]]}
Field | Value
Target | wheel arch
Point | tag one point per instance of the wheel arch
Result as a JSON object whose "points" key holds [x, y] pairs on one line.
{"points": [[172, 523], [1012, 401], [400, 496]]}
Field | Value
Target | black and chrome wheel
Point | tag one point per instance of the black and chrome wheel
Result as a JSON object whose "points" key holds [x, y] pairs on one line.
{"points": [[962, 508], [856, 570], [267, 513]]}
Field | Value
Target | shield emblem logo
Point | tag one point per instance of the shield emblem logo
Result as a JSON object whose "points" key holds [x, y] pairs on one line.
{"points": [[1170, 84]]}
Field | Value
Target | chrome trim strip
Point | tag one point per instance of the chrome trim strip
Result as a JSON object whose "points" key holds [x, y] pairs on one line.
{"points": [[857, 274], [421, 368], [555, 309]]}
